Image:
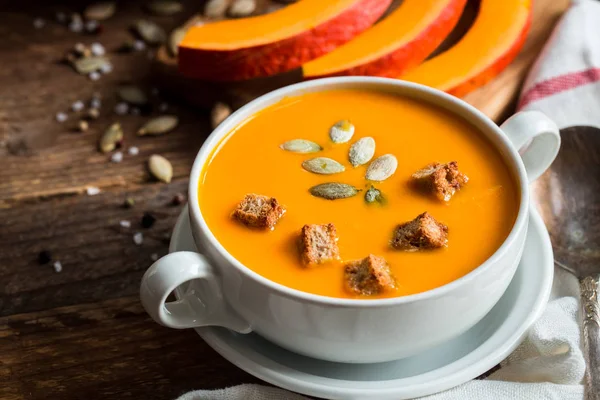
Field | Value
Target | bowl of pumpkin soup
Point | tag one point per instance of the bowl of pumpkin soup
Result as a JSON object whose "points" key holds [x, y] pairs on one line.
{"points": [[354, 219]]}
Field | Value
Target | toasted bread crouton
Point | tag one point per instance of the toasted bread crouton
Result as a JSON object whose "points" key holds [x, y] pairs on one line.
{"points": [[318, 244], [369, 276], [423, 232], [442, 180], [258, 211]]}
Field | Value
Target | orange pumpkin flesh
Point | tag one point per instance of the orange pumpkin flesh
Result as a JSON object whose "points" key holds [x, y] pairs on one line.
{"points": [[399, 42], [488, 47], [266, 45]]}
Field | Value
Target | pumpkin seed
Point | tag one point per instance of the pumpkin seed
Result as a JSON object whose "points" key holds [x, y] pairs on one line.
{"points": [[159, 125], [301, 146], [216, 8], [100, 11], [333, 191], [219, 113], [341, 131], [382, 168], [175, 38], [87, 65], [133, 95], [164, 7], [150, 32], [160, 168], [242, 8], [374, 195], [111, 137], [323, 165], [361, 151]]}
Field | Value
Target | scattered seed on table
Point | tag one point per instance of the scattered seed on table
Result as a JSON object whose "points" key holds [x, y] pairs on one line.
{"points": [[129, 202], [153, 256], [100, 10], [138, 238], [97, 49], [122, 108], [133, 151], [106, 68], [92, 190], [117, 157], [83, 126], [44, 257], [125, 224], [39, 23], [77, 106], [95, 75], [178, 199], [92, 113], [139, 45], [242, 8], [160, 168], [61, 117], [219, 113], [76, 26], [148, 220], [215, 8], [57, 266]]}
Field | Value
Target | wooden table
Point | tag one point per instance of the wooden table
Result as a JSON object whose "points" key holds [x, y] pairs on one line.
{"points": [[82, 333]]}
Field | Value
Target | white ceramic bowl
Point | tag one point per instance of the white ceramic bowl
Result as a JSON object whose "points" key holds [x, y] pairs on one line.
{"points": [[224, 292]]}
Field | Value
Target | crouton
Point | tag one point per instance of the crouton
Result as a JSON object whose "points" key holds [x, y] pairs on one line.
{"points": [[442, 180], [318, 244], [369, 276], [423, 232], [258, 211]]}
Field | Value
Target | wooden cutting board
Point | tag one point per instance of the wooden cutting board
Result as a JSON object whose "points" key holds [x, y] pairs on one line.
{"points": [[497, 98]]}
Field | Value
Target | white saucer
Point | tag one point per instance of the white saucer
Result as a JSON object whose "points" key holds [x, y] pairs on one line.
{"points": [[448, 365]]}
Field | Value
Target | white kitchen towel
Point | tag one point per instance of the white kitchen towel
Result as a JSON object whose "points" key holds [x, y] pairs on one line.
{"points": [[564, 83]]}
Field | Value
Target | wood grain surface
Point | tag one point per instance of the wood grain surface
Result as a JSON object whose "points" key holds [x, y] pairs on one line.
{"points": [[82, 333]]}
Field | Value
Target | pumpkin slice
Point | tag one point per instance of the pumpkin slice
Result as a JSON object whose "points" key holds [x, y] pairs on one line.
{"points": [[399, 42], [269, 44], [493, 41]]}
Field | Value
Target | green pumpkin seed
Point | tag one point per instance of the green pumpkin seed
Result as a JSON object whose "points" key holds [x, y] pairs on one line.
{"points": [[164, 7], [150, 32], [160, 168], [382, 168], [111, 137], [87, 65], [301, 146], [133, 95], [323, 165], [333, 191], [100, 11], [374, 195], [159, 125], [242, 8], [216, 8], [341, 131], [174, 39], [361, 151]]}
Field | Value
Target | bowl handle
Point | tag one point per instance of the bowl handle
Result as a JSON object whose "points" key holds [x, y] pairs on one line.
{"points": [[193, 309], [537, 139]]}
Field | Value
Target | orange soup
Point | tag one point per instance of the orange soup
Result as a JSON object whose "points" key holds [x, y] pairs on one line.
{"points": [[249, 160]]}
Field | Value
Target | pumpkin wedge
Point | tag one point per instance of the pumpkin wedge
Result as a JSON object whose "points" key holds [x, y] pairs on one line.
{"points": [[493, 41], [399, 42], [269, 44]]}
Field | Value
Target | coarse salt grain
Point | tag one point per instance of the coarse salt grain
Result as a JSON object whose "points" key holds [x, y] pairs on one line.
{"points": [[133, 151], [94, 75], [117, 157], [106, 68], [57, 266], [61, 117], [97, 49], [138, 238], [139, 45], [77, 106], [91, 26], [153, 256], [76, 26], [39, 23], [92, 190], [125, 224], [121, 108], [95, 102]]}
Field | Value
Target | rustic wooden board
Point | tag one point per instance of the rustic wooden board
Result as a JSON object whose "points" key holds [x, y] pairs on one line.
{"points": [[82, 333]]}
